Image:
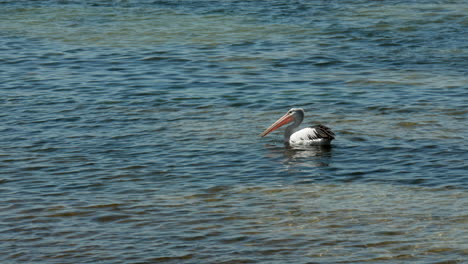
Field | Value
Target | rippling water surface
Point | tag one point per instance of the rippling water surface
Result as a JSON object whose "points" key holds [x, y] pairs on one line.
{"points": [[129, 131]]}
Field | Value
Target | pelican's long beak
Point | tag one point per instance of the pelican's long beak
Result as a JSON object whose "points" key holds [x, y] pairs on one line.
{"points": [[286, 119]]}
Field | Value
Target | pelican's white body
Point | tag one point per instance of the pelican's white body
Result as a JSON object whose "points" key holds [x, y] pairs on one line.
{"points": [[308, 136]]}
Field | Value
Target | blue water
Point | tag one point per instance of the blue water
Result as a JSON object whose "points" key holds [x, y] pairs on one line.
{"points": [[129, 131]]}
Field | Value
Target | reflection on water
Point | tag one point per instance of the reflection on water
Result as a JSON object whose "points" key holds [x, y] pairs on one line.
{"points": [[312, 156], [311, 151]]}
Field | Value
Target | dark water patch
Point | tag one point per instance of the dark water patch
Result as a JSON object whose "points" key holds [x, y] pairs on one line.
{"points": [[62, 215], [111, 218]]}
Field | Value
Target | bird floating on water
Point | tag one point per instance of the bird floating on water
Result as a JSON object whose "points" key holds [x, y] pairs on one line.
{"points": [[319, 135]]}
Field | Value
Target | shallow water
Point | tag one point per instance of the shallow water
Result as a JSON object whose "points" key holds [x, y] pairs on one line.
{"points": [[129, 132]]}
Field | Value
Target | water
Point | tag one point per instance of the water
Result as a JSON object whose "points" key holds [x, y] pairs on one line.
{"points": [[129, 131]]}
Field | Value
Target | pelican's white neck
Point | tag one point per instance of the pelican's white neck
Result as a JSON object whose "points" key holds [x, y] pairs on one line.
{"points": [[298, 117]]}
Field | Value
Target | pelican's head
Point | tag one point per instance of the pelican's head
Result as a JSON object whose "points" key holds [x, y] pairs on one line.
{"points": [[293, 115]]}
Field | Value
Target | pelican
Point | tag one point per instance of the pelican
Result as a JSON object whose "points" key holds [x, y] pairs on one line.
{"points": [[309, 136]]}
